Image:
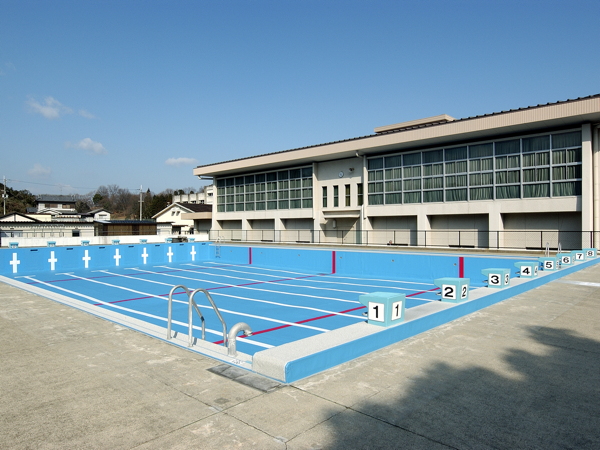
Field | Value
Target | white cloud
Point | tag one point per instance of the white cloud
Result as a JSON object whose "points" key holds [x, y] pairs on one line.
{"points": [[86, 114], [181, 162], [88, 145], [52, 109], [39, 171]]}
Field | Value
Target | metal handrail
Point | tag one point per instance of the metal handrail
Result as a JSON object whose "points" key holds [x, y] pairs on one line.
{"points": [[208, 296], [170, 307]]}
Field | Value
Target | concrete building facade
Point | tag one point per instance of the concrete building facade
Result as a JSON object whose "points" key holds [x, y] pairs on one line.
{"points": [[524, 178]]}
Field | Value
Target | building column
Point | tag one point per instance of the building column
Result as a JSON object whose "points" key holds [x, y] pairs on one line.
{"points": [[596, 184], [587, 183], [495, 229], [423, 228]]}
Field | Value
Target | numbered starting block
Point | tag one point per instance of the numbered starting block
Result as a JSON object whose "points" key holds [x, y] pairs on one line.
{"points": [[497, 278], [590, 252], [85, 243], [527, 269], [566, 259], [13, 245], [143, 241], [116, 241], [51, 244], [578, 255], [454, 290], [549, 263], [384, 308]]}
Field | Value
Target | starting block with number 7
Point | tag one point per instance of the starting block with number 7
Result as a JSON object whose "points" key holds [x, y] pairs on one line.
{"points": [[497, 278], [384, 308], [527, 269], [454, 290]]}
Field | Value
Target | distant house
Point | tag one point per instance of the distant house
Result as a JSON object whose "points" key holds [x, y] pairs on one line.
{"points": [[200, 198], [181, 217], [55, 202]]}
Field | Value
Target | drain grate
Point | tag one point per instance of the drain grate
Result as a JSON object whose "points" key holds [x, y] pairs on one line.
{"points": [[246, 378]]}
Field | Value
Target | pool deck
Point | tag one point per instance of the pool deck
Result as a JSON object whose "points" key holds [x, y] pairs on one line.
{"points": [[523, 373]]}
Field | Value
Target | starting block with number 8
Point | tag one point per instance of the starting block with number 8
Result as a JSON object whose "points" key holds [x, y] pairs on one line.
{"points": [[497, 278], [590, 252], [549, 263], [454, 290], [527, 269], [384, 308]]}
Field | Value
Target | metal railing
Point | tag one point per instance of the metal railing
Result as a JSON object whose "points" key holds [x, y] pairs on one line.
{"points": [[498, 240]]}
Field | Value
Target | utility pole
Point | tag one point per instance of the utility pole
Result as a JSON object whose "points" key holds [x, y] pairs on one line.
{"points": [[141, 201], [4, 196]]}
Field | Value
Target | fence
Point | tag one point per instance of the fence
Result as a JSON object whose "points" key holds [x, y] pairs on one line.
{"points": [[499, 240]]}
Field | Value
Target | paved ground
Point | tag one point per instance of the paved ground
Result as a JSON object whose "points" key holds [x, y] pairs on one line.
{"points": [[521, 374]]}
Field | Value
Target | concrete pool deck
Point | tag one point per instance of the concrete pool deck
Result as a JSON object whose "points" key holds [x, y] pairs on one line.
{"points": [[523, 373]]}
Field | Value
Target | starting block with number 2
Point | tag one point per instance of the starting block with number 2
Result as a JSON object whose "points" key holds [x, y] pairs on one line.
{"points": [[454, 290], [384, 308]]}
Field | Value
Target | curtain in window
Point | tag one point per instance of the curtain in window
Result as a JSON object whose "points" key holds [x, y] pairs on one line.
{"points": [[572, 139], [374, 164], [393, 161], [574, 155], [568, 188], [456, 195], [433, 196], [536, 143], [507, 192], [452, 154], [481, 150], [393, 198], [508, 147], [412, 158], [483, 193], [412, 197], [433, 156], [391, 174], [536, 190], [375, 199], [433, 183]]}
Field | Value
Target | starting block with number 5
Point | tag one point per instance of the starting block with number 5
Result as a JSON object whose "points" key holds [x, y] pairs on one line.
{"points": [[454, 290], [497, 278], [384, 308], [527, 269], [566, 259], [549, 263]]}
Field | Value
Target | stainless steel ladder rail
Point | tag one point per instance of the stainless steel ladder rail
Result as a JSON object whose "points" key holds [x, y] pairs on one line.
{"points": [[170, 307], [217, 312], [191, 304]]}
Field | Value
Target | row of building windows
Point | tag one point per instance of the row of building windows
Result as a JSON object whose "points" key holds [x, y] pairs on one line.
{"points": [[539, 166], [284, 189]]}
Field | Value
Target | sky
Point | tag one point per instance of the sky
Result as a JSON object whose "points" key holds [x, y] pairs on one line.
{"points": [[138, 93]]}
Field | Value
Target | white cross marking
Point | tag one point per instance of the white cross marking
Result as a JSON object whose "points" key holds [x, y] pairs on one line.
{"points": [[117, 257], [170, 255], [193, 253], [52, 261], [15, 262], [145, 255], [86, 258]]}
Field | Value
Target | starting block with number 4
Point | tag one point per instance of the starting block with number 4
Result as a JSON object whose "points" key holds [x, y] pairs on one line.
{"points": [[454, 290], [384, 308], [527, 269], [497, 278]]}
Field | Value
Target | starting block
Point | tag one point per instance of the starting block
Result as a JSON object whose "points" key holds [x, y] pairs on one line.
{"points": [[51, 244], [384, 308], [116, 241], [549, 263], [527, 269], [85, 243], [590, 252], [578, 255], [497, 278], [13, 245], [169, 240], [454, 290], [143, 241], [566, 259]]}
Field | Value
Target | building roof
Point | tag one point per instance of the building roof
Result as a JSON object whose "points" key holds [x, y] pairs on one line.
{"points": [[55, 198], [18, 218], [423, 133]]}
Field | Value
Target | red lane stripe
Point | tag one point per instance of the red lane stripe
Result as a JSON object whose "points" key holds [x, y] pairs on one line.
{"points": [[461, 267], [254, 333], [333, 262], [423, 292]]}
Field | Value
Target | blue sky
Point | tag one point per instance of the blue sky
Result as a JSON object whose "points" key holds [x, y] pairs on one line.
{"points": [[139, 92]]}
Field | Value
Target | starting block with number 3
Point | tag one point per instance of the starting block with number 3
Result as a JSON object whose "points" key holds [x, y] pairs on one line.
{"points": [[384, 308], [527, 269], [549, 263], [497, 278], [454, 290]]}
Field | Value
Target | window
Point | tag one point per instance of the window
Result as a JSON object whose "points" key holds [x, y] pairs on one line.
{"points": [[335, 196], [359, 196], [324, 196], [347, 195]]}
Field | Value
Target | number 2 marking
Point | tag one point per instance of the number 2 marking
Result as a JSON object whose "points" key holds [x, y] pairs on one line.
{"points": [[448, 291]]}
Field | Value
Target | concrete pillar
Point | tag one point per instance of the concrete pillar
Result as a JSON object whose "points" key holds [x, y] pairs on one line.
{"points": [[423, 227], [587, 179]]}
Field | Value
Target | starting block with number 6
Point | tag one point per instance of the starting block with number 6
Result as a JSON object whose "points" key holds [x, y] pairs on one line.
{"points": [[497, 278], [454, 290], [527, 269], [549, 263], [566, 259], [384, 308]]}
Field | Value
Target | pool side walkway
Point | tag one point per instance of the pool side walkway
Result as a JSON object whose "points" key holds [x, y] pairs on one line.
{"points": [[524, 373]]}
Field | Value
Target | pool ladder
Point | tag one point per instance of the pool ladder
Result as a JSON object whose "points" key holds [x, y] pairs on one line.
{"points": [[229, 340], [218, 247]]}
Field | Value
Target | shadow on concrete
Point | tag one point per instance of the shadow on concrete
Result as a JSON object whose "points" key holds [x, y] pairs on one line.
{"points": [[549, 399]]}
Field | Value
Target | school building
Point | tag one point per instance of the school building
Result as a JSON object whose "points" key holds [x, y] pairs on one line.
{"points": [[524, 178]]}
